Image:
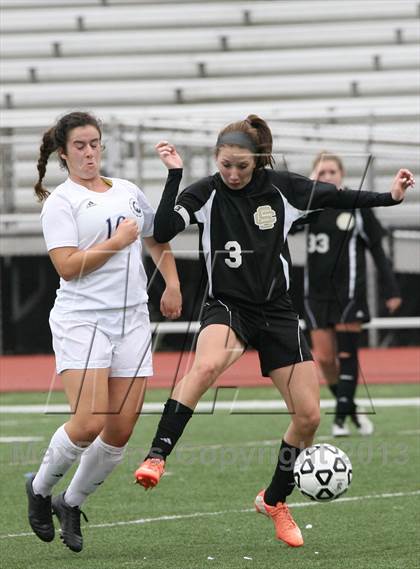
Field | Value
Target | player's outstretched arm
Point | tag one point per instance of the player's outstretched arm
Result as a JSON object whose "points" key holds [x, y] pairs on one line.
{"points": [[323, 195]]}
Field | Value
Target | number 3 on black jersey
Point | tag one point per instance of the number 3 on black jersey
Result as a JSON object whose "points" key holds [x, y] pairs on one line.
{"points": [[235, 254], [318, 243]]}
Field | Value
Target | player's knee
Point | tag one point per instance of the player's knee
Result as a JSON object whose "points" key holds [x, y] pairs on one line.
{"points": [[308, 422], [118, 437], [91, 428], [311, 422], [325, 359], [207, 372]]}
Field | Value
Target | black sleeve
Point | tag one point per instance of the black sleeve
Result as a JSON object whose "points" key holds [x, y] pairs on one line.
{"points": [[174, 215], [372, 233], [305, 194], [168, 222], [300, 224]]}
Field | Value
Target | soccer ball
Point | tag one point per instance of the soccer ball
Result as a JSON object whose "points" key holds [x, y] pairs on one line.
{"points": [[322, 472]]}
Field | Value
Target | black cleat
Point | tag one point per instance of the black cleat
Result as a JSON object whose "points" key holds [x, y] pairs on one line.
{"points": [[362, 423], [69, 518], [39, 513]]}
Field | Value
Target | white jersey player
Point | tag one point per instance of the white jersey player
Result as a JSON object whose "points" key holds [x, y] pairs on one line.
{"points": [[99, 323]]}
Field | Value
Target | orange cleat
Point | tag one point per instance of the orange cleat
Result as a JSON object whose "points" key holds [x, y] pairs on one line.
{"points": [[285, 526], [150, 472]]}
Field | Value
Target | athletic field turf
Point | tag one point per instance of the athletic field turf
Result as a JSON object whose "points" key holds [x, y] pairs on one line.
{"points": [[202, 516]]}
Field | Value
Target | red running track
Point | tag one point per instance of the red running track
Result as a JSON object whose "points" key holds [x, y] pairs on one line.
{"points": [[384, 365]]}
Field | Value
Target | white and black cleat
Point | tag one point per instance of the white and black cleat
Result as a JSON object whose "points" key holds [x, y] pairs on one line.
{"points": [[69, 518], [39, 513], [340, 430]]}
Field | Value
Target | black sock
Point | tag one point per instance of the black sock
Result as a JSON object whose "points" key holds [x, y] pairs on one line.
{"points": [[347, 343], [174, 419], [333, 388], [282, 483]]}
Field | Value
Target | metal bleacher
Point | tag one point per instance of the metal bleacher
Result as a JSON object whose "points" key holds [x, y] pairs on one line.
{"points": [[342, 76], [207, 90], [226, 64], [335, 76], [126, 16], [208, 38]]}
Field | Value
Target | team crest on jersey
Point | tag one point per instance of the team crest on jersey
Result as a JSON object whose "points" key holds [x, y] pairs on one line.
{"points": [[345, 221], [135, 208], [265, 217]]}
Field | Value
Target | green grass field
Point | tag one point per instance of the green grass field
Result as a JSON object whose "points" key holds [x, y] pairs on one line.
{"points": [[201, 515]]}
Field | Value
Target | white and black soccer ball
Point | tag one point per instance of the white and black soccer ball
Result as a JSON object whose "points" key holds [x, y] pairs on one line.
{"points": [[322, 472]]}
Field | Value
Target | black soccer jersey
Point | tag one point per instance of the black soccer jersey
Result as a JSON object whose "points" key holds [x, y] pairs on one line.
{"points": [[243, 233], [336, 263]]}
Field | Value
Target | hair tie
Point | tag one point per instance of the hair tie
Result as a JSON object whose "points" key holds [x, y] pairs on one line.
{"points": [[237, 138]]}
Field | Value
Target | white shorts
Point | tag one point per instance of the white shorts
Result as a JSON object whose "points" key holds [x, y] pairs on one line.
{"points": [[91, 339]]}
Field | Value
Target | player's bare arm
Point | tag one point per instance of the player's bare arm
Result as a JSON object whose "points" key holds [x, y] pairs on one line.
{"points": [[71, 262], [171, 300]]}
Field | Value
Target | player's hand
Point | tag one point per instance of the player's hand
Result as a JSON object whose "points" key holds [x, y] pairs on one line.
{"points": [[126, 233], [393, 304], [171, 302], [402, 181], [168, 154]]}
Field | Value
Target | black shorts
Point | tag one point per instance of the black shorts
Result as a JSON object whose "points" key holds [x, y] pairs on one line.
{"points": [[328, 313], [272, 330]]}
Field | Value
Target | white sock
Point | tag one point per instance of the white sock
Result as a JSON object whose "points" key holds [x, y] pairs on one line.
{"points": [[58, 458], [96, 464]]}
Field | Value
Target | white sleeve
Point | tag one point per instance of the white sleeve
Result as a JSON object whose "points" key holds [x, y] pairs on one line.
{"points": [[58, 223], [149, 214]]}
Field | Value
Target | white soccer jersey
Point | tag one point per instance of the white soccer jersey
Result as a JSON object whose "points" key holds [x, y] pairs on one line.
{"points": [[74, 216]]}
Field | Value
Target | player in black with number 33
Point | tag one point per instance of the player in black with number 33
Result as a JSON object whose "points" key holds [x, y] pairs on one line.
{"points": [[335, 292], [244, 213]]}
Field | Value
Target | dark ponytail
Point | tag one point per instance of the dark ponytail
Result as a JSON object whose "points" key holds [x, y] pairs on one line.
{"points": [[258, 133], [265, 140], [48, 146], [56, 138]]}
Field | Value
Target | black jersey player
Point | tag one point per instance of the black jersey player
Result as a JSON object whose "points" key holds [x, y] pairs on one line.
{"points": [[335, 291], [244, 213]]}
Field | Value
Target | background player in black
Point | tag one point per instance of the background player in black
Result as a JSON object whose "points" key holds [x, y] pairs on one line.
{"points": [[244, 213], [335, 291]]}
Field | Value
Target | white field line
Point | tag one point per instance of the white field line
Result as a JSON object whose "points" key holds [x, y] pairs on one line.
{"points": [[9, 440], [189, 447], [227, 512], [359, 437], [267, 405], [275, 442]]}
